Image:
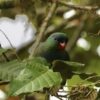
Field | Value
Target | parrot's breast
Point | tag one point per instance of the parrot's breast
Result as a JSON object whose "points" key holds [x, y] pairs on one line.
{"points": [[55, 55]]}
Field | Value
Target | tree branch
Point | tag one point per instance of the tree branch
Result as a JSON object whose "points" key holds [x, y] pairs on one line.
{"points": [[85, 8], [60, 26], [43, 27], [77, 34]]}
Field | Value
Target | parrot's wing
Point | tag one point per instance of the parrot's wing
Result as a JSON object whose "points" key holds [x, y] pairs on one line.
{"points": [[40, 50]]}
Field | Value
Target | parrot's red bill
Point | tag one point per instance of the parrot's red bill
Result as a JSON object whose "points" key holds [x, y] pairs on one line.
{"points": [[62, 45]]}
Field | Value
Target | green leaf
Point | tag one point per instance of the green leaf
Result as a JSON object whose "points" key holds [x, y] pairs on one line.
{"points": [[34, 78], [67, 68], [91, 71], [93, 66], [76, 64], [73, 65], [76, 80], [10, 70]]}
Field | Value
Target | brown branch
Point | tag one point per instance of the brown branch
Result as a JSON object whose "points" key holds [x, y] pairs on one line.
{"points": [[60, 26], [85, 8], [6, 58], [43, 27], [76, 35], [57, 28]]}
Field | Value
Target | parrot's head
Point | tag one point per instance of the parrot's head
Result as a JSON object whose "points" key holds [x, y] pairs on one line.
{"points": [[58, 40]]}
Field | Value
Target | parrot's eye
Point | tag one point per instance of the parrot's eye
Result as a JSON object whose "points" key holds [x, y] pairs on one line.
{"points": [[60, 40], [56, 39]]}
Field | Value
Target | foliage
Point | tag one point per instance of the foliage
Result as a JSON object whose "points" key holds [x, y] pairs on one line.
{"points": [[29, 75], [2, 51], [82, 93], [34, 77], [11, 69]]}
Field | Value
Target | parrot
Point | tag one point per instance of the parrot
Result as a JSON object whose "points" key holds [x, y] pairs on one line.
{"points": [[53, 48]]}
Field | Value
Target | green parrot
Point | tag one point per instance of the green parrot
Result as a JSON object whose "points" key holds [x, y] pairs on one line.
{"points": [[54, 47]]}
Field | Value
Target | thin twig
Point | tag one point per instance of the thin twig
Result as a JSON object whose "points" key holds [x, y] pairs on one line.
{"points": [[94, 76], [97, 82], [60, 98], [7, 38], [6, 58], [89, 93], [85, 8], [10, 44], [43, 28], [4, 55]]}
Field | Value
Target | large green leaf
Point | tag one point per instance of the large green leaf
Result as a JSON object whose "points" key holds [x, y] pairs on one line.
{"points": [[9, 70], [34, 78], [73, 66]]}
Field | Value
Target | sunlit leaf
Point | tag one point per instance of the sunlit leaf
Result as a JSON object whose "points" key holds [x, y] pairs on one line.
{"points": [[34, 78], [76, 80], [9, 70]]}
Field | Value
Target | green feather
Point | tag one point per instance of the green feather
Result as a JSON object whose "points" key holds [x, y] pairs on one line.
{"points": [[49, 50]]}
